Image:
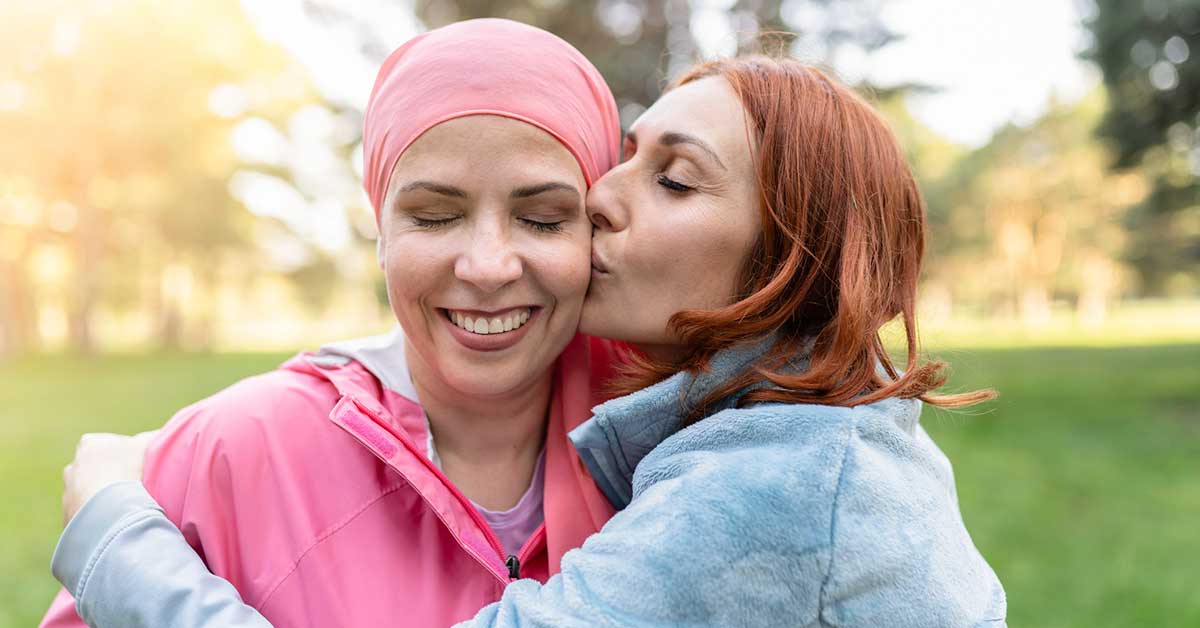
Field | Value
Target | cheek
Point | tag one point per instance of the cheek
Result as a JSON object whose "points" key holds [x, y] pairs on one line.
{"points": [[563, 268], [701, 258], [411, 266]]}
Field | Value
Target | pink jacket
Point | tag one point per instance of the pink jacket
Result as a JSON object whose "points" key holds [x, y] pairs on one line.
{"points": [[309, 489]]}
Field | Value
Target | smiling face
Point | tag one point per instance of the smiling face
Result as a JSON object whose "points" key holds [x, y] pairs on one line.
{"points": [[484, 243], [676, 220]]}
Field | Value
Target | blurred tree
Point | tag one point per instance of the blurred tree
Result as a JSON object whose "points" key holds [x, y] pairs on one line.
{"points": [[1149, 53], [1033, 216], [19, 233], [639, 45], [117, 118]]}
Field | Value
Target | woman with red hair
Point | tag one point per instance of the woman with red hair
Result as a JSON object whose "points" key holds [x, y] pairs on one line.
{"points": [[764, 451]]}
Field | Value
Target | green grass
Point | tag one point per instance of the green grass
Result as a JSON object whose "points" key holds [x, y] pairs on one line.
{"points": [[1079, 484], [45, 404]]}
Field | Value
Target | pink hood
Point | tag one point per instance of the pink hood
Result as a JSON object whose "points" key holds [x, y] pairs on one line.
{"points": [[309, 489]]}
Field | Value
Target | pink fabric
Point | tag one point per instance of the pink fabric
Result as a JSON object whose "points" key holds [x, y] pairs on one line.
{"points": [[488, 66], [306, 488]]}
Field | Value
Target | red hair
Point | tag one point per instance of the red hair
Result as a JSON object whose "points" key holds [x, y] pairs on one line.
{"points": [[838, 256]]}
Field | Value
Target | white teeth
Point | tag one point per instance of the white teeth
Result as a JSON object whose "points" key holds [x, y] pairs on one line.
{"points": [[485, 326]]}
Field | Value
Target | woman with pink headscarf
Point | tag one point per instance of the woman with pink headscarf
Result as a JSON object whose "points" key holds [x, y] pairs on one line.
{"points": [[416, 474]]}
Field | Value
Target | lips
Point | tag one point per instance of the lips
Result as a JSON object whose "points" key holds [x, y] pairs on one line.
{"points": [[494, 323], [490, 330], [598, 264]]}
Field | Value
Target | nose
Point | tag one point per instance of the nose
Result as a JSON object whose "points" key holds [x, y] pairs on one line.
{"points": [[605, 205], [490, 261]]}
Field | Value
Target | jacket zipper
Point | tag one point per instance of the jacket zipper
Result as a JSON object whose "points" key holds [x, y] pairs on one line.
{"points": [[488, 534], [514, 562]]}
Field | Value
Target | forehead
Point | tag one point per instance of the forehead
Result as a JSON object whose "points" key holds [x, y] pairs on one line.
{"points": [[481, 143], [707, 108]]}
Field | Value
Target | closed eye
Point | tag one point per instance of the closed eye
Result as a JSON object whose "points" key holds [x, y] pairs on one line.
{"points": [[545, 227], [672, 184], [434, 223]]}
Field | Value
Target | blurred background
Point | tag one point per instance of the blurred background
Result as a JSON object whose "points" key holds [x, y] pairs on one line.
{"points": [[180, 206]]}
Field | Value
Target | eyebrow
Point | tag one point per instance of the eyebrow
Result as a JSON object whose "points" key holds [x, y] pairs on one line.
{"points": [[436, 188], [671, 138], [542, 188], [521, 192]]}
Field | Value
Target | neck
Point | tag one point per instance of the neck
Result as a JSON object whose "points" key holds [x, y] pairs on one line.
{"points": [[488, 445]]}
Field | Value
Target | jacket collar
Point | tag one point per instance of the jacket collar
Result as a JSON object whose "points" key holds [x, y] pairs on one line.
{"points": [[624, 430], [382, 356]]}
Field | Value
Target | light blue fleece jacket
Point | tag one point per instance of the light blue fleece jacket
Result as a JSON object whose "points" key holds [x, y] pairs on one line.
{"points": [[769, 515]]}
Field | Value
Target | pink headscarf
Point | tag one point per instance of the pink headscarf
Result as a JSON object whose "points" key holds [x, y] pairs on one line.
{"points": [[494, 67]]}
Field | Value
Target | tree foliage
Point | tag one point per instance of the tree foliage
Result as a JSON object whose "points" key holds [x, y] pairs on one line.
{"points": [[640, 45], [1149, 54], [113, 149]]}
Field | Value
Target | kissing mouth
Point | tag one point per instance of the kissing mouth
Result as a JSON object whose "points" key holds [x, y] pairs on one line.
{"points": [[485, 324], [598, 264]]}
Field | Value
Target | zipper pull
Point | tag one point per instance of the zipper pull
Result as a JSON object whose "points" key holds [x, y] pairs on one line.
{"points": [[514, 567]]}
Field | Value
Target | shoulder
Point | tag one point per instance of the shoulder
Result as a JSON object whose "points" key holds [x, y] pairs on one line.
{"points": [[801, 459], [763, 469], [284, 411], [736, 445], [254, 448], [280, 396], [807, 433]]}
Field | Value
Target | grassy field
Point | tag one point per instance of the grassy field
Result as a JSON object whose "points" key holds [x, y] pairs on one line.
{"points": [[1081, 485]]}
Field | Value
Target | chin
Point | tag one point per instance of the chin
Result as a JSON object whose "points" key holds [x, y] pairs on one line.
{"points": [[484, 382]]}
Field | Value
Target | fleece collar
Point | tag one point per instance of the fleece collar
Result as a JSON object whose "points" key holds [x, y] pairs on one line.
{"points": [[623, 430]]}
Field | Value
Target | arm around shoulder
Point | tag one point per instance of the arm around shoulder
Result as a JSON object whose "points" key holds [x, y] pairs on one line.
{"points": [[128, 566], [188, 482]]}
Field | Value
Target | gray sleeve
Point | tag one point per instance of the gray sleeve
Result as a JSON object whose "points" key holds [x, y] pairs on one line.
{"points": [[128, 566]]}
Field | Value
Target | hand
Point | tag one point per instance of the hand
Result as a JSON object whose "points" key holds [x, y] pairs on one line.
{"points": [[102, 460]]}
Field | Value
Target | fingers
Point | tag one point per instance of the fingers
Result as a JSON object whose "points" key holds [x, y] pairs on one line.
{"points": [[143, 439], [102, 437], [102, 459], [67, 513]]}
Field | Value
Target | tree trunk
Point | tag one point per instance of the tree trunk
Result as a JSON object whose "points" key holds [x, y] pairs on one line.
{"points": [[18, 311], [85, 287]]}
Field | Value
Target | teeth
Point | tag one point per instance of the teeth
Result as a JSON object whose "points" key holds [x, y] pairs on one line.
{"points": [[496, 325]]}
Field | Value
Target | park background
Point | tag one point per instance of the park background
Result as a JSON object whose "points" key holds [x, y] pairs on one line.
{"points": [[180, 207]]}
